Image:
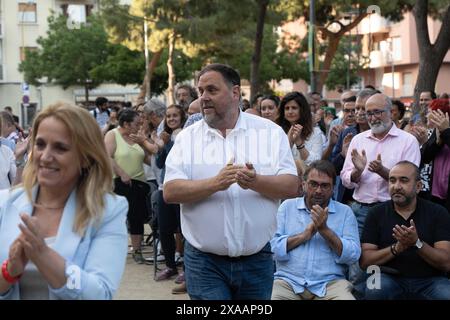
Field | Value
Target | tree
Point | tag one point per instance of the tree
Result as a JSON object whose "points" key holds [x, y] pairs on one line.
{"points": [[276, 64], [192, 27], [347, 61], [125, 25], [68, 55], [256, 57], [341, 68], [430, 55]]}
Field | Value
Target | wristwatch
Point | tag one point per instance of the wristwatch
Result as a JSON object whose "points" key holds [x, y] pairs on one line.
{"points": [[419, 244]]}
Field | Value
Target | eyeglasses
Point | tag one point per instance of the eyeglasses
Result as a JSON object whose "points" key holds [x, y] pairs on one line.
{"points": [[324, 186], [349, 110], [375, 113]]}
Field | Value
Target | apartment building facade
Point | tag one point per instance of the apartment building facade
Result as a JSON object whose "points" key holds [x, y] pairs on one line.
{"points": [[394, 55]]}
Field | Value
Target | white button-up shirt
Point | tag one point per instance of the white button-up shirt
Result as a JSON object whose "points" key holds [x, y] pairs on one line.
{"points": [[233, 222]]}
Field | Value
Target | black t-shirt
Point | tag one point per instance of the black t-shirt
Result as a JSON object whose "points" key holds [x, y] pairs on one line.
{"points": [[432, 223]]}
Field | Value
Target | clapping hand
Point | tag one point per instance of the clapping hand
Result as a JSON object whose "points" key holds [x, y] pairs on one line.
{"points": [[359, 160], [226, 176], [346, 143], [419, 132], [295, 134], [31, 239], [246, 176], [334, 134], [376, 165], [17, 259], [439, 120], [139, 137], [406, 236], [319, 216], [165, 137]]}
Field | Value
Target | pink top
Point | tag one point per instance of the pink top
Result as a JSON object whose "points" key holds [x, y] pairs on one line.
{"points": [[441, 173], [396, 146]]}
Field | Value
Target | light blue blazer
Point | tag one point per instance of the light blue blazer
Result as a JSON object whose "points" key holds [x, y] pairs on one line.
{"points": [[94, 262]]}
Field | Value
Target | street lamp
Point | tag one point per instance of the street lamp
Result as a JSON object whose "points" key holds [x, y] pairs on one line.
{"points": [[147, 83], [390, 41], [312, 46]]}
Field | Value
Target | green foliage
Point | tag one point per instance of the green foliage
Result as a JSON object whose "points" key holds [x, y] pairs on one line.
{"points": [[184, 66], [67, 55], [275, 65], [340, 67], [122, 66], [337, 77]]}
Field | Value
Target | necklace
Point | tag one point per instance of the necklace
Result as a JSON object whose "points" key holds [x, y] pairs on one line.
{"points": [[49, 208]]}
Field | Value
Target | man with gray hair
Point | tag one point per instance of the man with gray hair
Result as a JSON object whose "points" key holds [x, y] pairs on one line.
{"points": [[155, 109], [184, 95], [373, 153]]}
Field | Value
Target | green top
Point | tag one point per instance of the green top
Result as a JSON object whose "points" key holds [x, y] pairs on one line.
{"points": [[129, 157]]}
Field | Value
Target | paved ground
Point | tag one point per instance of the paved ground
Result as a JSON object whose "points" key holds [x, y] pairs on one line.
{"points": [[138, 284]]}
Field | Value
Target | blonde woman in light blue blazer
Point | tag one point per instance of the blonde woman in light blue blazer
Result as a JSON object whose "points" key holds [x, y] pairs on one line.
{"points": [[63, 232]]}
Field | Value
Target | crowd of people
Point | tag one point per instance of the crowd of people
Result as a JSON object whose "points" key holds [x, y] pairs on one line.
{"points": [[281, 198]]}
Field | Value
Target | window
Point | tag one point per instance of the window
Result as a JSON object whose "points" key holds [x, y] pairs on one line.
{"points": [[27, 11], [392, 49], [408, 84], [23, 51], [397, 48], [77, 12]]}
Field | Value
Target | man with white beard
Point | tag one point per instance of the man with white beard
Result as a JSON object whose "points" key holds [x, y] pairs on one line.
{"points": [[372, 154]]}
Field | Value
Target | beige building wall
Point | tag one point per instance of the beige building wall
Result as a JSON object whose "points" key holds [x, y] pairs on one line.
{"points": [[406, 58], [15, 35]]}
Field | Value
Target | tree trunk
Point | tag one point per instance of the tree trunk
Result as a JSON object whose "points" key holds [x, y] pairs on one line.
{"points": [[256, 57], [333, 43], [431, 56], [171, 69], [86, 93], [146, 84]]}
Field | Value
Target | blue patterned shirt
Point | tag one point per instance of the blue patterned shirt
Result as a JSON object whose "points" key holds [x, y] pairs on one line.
{"points": [[193, 118]]}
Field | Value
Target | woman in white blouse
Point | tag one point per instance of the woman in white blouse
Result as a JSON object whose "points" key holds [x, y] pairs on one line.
{"points": [[306, 140]]}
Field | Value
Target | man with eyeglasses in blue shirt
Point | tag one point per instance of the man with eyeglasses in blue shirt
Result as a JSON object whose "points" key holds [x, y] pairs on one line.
{"points": [[315, 242]]}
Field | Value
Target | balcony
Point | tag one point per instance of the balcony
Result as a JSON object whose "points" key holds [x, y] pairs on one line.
{"points": [[373, 23], [379, 58]]}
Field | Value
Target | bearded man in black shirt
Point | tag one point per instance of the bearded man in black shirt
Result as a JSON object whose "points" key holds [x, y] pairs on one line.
{"points": [[409, 239]]}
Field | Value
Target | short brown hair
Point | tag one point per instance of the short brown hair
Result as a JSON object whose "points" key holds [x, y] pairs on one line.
{"points": [[323, 166]]}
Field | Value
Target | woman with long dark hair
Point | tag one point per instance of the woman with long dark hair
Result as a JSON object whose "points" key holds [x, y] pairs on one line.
{"points": [[296, 120]]}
